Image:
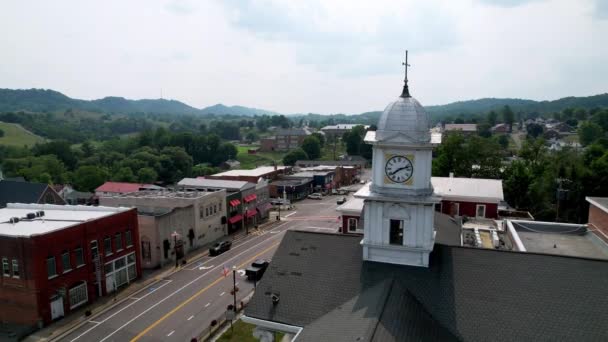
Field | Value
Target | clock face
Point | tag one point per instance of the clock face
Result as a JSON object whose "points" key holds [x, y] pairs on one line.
{"points": [[399, 169]]}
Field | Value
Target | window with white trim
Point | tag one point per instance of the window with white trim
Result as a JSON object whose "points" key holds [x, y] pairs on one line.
{"points": [[121, 270], [16, 268], [352, 224], [79, 256], [65, 262], [480, 210], [51, 267], [107, 246], [78, 295], [118, 242], [128, 238], [5, 270]]}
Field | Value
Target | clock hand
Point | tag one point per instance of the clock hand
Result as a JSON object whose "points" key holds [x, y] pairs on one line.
{"points": [[403, 168]]}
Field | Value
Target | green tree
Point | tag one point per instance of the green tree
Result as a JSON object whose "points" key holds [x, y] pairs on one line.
{"points": [[503, 141], [588, 132], [147, 175], [228, 151], [320, 137], [517, 180], [508, 116], [534, 130], [601, 118], [124, 174], [492, 117], [88, 178], [1, 133], [251, 137], [483, 130], [312, 147], [293, 156]]}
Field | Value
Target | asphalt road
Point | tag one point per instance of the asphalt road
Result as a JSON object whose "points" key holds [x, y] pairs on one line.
{"points": [[180, 306]]}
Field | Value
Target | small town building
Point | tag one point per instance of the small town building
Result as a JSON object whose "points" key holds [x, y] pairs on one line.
{"points": [[241, 199], [337, 131], [472, 197], [57, 258], [119, 188], [268, 144], [293, 189], [322, 181], [466, 129], [291, 138], [598, 216], [349, 161], [343, 175], [174, 223], [27, 192], [500, 128], [253, 175]]}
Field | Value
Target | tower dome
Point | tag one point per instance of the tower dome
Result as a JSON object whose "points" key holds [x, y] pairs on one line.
{"points": [[404, 116]]}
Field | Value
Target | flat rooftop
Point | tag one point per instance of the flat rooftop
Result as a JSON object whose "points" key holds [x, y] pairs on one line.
{"points": [[56, 217], [257, 172], [560, 239], [153, 194], [214, 183]]}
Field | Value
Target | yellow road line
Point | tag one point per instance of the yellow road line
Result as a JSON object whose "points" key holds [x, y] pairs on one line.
{"points": [[175, 309]]}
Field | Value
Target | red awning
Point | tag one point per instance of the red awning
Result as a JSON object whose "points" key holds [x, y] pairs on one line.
{"points": [[250, 198], [235, 202], [251, 213], [235, 218]]}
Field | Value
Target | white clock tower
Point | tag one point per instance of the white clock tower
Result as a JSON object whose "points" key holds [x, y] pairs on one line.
{"points": [[399, 203]]}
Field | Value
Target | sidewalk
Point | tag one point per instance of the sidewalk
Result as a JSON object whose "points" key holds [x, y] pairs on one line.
{"points": [[67, 324]]}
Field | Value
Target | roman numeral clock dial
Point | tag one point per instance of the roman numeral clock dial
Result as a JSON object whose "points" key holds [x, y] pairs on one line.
{"points": [[399, 169]]}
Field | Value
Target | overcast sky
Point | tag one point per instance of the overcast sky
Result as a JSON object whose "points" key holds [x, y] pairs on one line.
{"points": [[306, 56]]}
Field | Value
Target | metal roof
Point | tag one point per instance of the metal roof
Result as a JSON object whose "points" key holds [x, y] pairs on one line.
{"points": [[468, 188], [404, 116], [215, 183], [257, 172]]}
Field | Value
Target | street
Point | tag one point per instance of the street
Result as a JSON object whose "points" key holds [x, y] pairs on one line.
{"points": [[183, 304]]}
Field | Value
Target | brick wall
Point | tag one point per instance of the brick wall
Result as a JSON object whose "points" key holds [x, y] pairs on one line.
{"points": [[599, 220]]}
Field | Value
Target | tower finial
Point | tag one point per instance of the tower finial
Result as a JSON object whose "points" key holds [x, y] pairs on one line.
{"points": [[406, 90]]}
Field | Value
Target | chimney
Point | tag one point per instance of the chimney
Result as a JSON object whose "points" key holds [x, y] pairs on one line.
{"points": [[451, 174]]}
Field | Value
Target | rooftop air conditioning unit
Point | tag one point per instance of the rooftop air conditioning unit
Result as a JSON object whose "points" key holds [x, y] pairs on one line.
{"points": [[14, 220]]}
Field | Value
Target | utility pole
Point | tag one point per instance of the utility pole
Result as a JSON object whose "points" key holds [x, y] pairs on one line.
{"points": [[234, 287], [174, 234]]}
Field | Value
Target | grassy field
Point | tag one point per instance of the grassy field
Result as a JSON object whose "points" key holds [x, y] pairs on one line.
{"points": [[15, 135], [243, 332], [251, 161]]}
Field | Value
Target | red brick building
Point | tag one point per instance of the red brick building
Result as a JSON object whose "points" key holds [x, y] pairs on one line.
{"points": [[472, 197], [55, 259], [598, 216]]}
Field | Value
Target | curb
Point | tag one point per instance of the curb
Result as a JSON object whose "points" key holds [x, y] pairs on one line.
{"points": [[103, 308]]}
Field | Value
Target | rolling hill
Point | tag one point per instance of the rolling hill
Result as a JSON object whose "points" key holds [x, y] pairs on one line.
{"points": [[46, 100], [15, 135]]}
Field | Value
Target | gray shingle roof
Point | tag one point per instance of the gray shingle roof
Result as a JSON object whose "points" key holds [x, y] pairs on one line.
{"points": [[466, 294], [20, 192]]}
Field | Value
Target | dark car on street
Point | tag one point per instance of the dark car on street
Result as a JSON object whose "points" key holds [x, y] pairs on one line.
{"points": [[220, 248], [257, 269]]}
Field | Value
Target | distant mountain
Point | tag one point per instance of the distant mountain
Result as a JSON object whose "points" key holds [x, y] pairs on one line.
{"points": [[42, 100], [220, 109], [46, 100]]}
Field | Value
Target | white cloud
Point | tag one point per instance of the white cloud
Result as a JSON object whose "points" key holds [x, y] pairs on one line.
{"points": [[313, 56]]}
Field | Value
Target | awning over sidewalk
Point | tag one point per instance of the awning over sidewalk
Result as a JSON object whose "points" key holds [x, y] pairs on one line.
{"points": [[250, 198], [236, 218], [251, 213], [234, 202]]}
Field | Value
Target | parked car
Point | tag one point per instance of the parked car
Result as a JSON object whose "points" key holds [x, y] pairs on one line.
{"points": [[220, 248], [315, 196], [341, 200], [257, 269], [280, 201]]}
